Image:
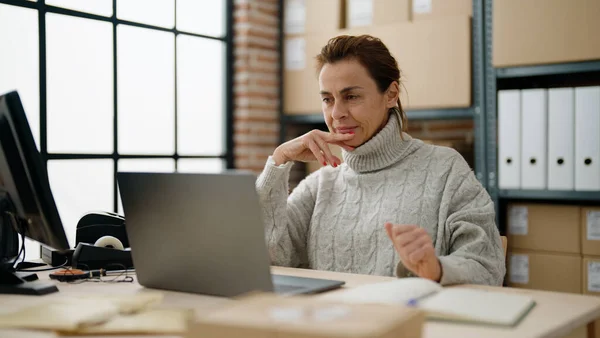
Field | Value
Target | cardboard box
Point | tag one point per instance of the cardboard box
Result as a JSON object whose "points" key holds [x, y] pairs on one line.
{"points": [[591, 281], [590, 231], [434, 57], [314, 166], [361, 13], [591, 275], [545, 227], [300, 76], [545, 31], [273, 316], [544, 271], [313, 16], [436, 9]]}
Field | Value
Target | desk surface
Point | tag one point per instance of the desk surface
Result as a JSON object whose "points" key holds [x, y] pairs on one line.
{"points": [[555, 315]]}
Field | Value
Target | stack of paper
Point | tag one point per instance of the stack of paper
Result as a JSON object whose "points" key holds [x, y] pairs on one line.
{"points": [[107, 314]]}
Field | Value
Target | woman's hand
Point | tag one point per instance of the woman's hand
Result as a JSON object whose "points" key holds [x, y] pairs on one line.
{"points": [[415, 247], [312, 146]]}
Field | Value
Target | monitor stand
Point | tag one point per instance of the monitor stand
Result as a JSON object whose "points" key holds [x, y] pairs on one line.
{"points": [[11, 283], [26, 276]]}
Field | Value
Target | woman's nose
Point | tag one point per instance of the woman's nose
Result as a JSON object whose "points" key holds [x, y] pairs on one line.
{"points": [[339, 111]]}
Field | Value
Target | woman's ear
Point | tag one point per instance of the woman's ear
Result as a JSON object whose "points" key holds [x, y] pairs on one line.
{"points": [[392, 94]]}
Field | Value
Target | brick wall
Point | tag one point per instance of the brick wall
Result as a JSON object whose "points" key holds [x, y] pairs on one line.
{"points": [[256, 82], [256, 94]]}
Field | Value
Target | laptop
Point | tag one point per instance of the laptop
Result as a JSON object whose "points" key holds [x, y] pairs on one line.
{"points": [[202, 233]]}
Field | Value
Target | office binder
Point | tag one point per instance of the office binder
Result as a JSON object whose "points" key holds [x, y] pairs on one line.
{"points": [[561, 139], [534, 116], [587, 138], [509, 139]]}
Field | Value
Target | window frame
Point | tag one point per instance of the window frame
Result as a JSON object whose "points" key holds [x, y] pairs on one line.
{"points": [[227, 39]]}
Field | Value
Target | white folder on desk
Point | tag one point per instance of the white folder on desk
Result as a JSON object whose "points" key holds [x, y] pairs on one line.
{"points": [[587, 138], [509, 139], [561, 139], [534, 117]]}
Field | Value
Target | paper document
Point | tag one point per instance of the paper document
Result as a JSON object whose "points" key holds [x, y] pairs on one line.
{"points": [[295, 16], [295, 54], [361, 13], [458, 304]]}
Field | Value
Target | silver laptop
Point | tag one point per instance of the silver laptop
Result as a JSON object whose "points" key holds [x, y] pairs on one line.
{"points": [[202, 233]]}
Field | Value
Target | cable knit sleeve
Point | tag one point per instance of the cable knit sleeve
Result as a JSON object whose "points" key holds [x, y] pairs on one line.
{"points": [[286, 218], [475, 253]]}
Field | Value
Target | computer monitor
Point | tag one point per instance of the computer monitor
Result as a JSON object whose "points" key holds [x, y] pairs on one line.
{"points": [[32, 210]]}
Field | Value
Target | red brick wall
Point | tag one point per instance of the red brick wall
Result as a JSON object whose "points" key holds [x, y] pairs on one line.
{"points": [[256, 82]]}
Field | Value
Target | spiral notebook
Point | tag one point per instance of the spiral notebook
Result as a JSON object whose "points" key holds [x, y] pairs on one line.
{"points": [[454, 304]]}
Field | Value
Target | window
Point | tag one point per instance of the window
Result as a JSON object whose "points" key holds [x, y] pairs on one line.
{"points": [[119, 85]]}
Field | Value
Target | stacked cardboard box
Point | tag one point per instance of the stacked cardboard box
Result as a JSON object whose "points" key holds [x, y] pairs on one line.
{"points": [[554, 248], [545, 31], [544, 247], [308, 24], [431, 40], [590, 245]]}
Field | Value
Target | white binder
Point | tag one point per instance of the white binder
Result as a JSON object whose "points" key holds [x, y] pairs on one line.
{"points": [[587, 138], [534, 117], [509, 139], [561, 139]]}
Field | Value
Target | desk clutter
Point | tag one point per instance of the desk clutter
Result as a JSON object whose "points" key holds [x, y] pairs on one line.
{"points": [[101, 243], [100, 314], [394, 308], [397, 308]]}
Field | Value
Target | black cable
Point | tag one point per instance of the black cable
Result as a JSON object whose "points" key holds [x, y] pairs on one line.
{"points": [[20, 232], [46, 269], [23, 244], [21, 250]]}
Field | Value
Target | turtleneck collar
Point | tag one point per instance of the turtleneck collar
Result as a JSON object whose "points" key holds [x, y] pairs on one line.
{"points": [[382, 150]]}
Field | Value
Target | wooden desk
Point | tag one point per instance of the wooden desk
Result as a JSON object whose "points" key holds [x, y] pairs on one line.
{"points": [[555, 315]]}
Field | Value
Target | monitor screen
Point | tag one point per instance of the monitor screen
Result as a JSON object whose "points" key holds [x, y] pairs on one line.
{"points": [[24, 175]]}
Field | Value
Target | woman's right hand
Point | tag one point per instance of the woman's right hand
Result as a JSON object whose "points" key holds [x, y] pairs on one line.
{"points": [[312, 146]]}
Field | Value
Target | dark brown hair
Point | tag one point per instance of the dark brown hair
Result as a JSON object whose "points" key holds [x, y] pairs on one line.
{"points": [[370, 52]]}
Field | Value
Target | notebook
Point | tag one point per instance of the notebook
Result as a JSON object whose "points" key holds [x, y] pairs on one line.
{"points": [[456, 304]]}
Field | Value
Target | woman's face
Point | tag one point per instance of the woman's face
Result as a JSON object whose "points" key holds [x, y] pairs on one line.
{"points": [[351, 101]]}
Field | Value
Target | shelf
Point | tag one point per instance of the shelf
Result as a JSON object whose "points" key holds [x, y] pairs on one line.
{"points": [[430, 114], [441, 114], [552, 69], [550, 195], [303, 119]]}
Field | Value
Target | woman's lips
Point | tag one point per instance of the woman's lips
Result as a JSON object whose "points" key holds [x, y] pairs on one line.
{"points": [[345, 130]]}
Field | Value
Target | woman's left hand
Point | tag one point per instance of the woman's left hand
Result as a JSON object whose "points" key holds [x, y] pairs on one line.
{"points": [[415, 247]]}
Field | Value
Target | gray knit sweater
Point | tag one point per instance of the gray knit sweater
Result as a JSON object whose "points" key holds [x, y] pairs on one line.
{"points": [[334, 219]]}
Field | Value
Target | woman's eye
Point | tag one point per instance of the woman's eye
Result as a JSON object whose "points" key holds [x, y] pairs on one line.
{"points": [[326, 100]]}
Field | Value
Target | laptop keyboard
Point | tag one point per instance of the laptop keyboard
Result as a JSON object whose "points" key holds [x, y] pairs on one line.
{"points": [[283, 288]]}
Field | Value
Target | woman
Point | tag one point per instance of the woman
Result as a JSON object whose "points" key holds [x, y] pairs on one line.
{"points": [[396, 206]]}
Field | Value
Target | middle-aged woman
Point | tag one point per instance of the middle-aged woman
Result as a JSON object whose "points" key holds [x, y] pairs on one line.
{"points": [[395, 206]]}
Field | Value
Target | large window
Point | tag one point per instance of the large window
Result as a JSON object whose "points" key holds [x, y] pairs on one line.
{"points": [[119, 85]]}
